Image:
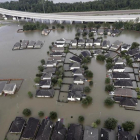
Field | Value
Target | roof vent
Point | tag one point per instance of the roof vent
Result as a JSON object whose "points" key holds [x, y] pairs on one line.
{"points": [[102, 135]]}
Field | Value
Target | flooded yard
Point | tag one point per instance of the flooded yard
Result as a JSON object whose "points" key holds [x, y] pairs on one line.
{"points": [[23, 64]]}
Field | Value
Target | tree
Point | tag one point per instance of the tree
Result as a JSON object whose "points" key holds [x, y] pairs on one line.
{"points": [[87, 100], [109, 60], [109, 102], [59, 81], [89, 73], [100, 57], [98, 121], [134, 45], [85, 67], [94, 125], [53, 27], [37, 79], [109, 66], [26, 112], [54, 80], [107, 80], [128, 125], [40, 113], [90, 83], [109, 88], [87, 89], [62, 27], [81, 119], [30, 94], [42, 61], [40, 68], [110, 123], [53, 115]]}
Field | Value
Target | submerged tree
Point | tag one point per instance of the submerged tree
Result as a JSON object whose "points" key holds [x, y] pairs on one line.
{"points": [[53, 115], [128, 126], [109, 102], [81, 119], [110, 123], [26, 112]]}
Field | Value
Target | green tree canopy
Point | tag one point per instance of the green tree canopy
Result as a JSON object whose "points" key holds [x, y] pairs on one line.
{"points": [[110, 123], [53, 115], [81, 119], [109, 102], [128, 125], [26, 112]]}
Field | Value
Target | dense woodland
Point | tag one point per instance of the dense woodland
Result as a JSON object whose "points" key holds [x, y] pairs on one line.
{"points": [[50, 7]]}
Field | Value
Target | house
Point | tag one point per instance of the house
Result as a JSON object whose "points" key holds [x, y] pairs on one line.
{"points": [[57, 49], [110, 54], [107, 134], [45, 130], [75, 132], [38, 45], [56, 58], [125, 135], [120, 75], [115, 32], [74, 88], [76, 72], [2, 85], [31, 44], [45, 31], [49, 70], [138, 137], [123, 83], [79, 79], [17, 125], [61, 45], [93, 30], [97, 52], [24, 44], [75, 59], [106, 44], [91, 133], [81, 42], [52, 63], [74, 66], [17, 46], [132, 52], [118, 61], [86, 53], [97, 42], [125, 47], [62, 40], [124, 92], [107, 31], [59, 132], [46, 76], [89, 42], [73, 43], [9, 88], [45, 83], [56, 54], [31, 129], [116, 45], [100, 31], [137, 57], [45, 93], [119, 68], [75, 96], [126, 101]]}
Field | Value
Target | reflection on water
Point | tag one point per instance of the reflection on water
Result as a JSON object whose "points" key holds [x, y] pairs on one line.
{"points": [[23, 64]]}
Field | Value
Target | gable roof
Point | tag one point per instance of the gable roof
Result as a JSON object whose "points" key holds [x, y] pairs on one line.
{"points": [[125, 46], [45, 130], [74, 41], [45, 92], [75, 94], [105, 43], [31, 128], [49, 69], [128, 101], [9, 87], [91, 133], [17, 125], [123, 83], [45, 82], [76, 59], [46, 75], [75, 132], [39, 43], [79, 78], [89, 41], [137, 56], [31, 43], [120, 75], [86, 53], [74, 65], [56, 53], [78, 71], [125, 135], [107, 134], [97, 40], [119, 66], [74, 87], [133, 51]]}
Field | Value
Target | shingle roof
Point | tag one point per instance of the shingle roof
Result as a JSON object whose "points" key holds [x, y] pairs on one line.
{"points": [[17, 125], [119, 66], [74, 65], [45, 92], [128, 101], [45, 82], [75, 59], [79, 78], [107, 134], [133, 51], [125, 135], [123, 83], [74, 87], [2, 85], [46, 75], [31, 43], [137, 56], [56, 53], [86, 53], [52, 70], [9, 87], [75, 94], [105, 43], [123, 92], [78, 71], [120, 75]]}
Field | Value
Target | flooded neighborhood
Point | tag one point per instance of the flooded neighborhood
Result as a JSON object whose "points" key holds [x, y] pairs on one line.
{"points": [[23, 64]]}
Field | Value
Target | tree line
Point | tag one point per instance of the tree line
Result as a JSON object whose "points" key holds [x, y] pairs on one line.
{"points": [[42, 6]]}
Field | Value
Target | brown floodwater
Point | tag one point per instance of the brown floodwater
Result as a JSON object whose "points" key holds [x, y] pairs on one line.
{"points": [[24, 63]]}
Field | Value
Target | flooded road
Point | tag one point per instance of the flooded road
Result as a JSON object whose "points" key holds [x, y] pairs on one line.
{"points": [[24, 63]]}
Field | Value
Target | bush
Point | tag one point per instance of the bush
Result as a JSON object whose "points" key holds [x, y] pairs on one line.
{"points": [[109, 66], [40, 113], [90, 83], [128, 126], [37, 79], [100, 57], [30, 94], [81, 119], [110, 123], [94, 125], [109, 102], [87, 89], [109, 87], [40, 68], [87, 100], [85, 67], [98, 121], [89, 73], [134, 45], [42, 61], [53, 115], [109, 60], [107, 80], [54, 80], [26, 112]]}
